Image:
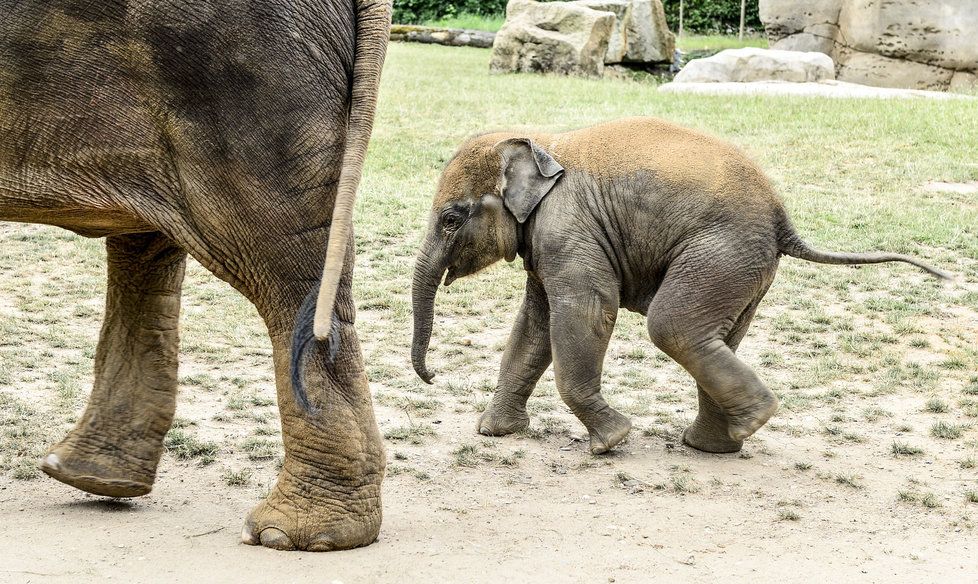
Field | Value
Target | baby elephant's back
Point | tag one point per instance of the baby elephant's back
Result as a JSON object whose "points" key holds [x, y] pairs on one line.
{"points": [[695, 162]]}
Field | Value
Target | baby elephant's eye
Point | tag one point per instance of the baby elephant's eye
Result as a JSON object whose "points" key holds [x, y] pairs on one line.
{"points": [[452, 220]]}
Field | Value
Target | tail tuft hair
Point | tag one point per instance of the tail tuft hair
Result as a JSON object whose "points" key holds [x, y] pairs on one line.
{"points": [[303, 340]]}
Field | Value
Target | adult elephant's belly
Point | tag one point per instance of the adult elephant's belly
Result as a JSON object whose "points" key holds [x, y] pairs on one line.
{"points": [[79, 140]]}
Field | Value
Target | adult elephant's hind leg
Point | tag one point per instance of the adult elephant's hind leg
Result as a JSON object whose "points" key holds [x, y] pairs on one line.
{"points": [[116, 445], [327, 496]]}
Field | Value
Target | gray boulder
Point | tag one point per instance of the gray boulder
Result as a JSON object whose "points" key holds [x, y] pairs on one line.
{"points": [[552, 37], [618, 43], [752, 64], [647, 36]]}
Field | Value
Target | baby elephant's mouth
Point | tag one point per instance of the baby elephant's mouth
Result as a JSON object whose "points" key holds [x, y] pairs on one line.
{"points": [[450, 276]]}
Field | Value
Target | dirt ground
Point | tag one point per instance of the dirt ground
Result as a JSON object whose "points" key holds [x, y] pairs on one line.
{"points": [[823, 492]]}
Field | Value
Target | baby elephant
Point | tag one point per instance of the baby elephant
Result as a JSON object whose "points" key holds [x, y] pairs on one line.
{"points": [[636, 213]]}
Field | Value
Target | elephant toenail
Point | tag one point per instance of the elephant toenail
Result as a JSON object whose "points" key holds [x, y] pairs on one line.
{"points": [[52, 461], [248, 536], [272, 537], [321, 544]]}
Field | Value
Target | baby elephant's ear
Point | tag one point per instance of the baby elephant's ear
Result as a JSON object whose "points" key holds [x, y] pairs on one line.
{"points": [[526, 174]]}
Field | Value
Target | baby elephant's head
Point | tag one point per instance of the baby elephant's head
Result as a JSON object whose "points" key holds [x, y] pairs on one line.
{"points": [[488, 189]]}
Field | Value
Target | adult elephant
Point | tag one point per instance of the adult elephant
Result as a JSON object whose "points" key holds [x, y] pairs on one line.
{"points": [[225, 129]]}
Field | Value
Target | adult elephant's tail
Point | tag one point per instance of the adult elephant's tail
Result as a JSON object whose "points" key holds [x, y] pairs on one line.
{"points": [[791, 244], [373, 30]]}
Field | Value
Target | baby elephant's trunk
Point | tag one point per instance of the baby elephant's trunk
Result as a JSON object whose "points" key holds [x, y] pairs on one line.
{"points": [[427, 276]]}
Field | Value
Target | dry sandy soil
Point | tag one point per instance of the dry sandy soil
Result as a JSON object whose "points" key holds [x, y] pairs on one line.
{"points": [[819, 493]]}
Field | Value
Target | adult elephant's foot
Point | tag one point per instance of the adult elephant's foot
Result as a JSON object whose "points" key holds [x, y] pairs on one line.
{"points": [[747, 418], [501, 420], [711, 436], [609, 431], [126, 470], [291, 519]]}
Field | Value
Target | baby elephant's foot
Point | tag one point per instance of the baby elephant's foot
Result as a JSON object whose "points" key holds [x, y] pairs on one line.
{"points": [[609, 432], [711, 437], [501, 421], [748, 418]]}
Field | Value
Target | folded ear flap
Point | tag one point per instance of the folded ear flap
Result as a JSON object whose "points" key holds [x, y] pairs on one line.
{"points": [[526, 174]]}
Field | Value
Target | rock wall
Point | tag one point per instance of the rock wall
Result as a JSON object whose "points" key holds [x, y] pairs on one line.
{"points": [[917, 44]]}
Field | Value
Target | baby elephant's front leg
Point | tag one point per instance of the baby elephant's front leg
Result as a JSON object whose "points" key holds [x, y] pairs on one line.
{"points": [[527, 356], [581, 324]]}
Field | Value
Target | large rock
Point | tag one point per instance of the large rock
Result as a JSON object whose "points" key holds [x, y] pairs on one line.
{"points": [[618, 43], [752, 64], [880, 71], [647, 36], [888, 43], [552, 37]]}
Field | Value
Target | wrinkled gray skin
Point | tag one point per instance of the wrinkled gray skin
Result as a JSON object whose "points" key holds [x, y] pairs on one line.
{"points": [[222, 129], [639, 214]]}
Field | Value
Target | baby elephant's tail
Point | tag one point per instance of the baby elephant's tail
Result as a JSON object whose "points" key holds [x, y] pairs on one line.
{"points": [[789, 243]]}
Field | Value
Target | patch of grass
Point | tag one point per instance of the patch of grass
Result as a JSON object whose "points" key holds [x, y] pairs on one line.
{"points": [[971, 496], [25, 470], [972, 387], [186, 446], [490, 23], [420, 406], [936, 405], [908, 496], [512, 459], [802, 466], [872, 414], [260, 448], [928, 500], [904, 449], [849, 480], [682, 481], [946, 431], [467, 455], [967, 463], [413, 434], [788, 515], [236, 478]]}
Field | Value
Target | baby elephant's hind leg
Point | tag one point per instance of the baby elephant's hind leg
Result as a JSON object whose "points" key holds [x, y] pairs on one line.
{"points": [[710, 431], [699, 325], [116, 445]]}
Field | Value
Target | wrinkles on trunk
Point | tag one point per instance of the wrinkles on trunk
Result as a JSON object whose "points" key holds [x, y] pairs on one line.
{"points": [[427, 276]]}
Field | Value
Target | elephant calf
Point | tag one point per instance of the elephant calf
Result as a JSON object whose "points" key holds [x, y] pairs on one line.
{"points": [[636, 213]]}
